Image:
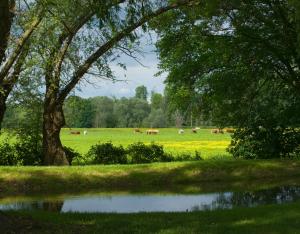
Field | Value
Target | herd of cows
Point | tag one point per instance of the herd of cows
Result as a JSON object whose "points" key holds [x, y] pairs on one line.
{"points": [[180, 131]]}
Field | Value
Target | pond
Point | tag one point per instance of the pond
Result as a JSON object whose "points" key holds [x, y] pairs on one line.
{"points": [[134, 203]]}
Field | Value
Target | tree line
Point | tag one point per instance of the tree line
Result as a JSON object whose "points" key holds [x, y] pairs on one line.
{"points": [[107, 112]]}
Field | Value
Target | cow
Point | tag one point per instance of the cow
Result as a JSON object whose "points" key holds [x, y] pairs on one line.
{"points": [[137, 130], [229, 130], [194, 130], [180, 131], [217, 130], [85, 132], [75, 133], [152, 131]]}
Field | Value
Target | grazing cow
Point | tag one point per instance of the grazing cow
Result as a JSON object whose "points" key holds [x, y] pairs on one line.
{"points": [[85, 132], [137, 130], [194, 130], [180, 131], [217, 130], [152, 131], [229, 130], [75, 133]]}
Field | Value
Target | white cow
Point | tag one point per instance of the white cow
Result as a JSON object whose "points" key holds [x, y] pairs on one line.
{"points": [[180, 131], [85, 132]]}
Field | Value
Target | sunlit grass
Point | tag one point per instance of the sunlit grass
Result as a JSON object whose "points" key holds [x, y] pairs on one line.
{"points": [[204, 141]]}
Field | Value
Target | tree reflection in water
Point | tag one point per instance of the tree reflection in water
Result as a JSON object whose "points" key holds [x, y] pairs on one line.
{"points": [[277, 195]]}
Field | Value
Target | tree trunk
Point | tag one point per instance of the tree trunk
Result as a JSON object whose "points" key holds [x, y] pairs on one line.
{"points": [[54, 120], [5, 90], [5, 25], [2, 108]]}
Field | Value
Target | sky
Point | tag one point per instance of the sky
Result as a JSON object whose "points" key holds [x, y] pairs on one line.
{"points": [[134, 75]]}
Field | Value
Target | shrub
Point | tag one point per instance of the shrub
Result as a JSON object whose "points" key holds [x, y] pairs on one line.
{"points": [[107, 153], [8, 155], [72, 155], [29, 151], [141, 153], [265, 143]]}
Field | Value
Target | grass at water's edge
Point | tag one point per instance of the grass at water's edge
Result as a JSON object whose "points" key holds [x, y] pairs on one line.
{"points": [[263, 219], [203, 176]]}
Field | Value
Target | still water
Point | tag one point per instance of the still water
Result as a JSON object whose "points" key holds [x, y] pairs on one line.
{"points": [[132, 203]]}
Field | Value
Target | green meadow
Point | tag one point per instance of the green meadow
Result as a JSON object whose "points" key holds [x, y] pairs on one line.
{"points": [[208, 144]]}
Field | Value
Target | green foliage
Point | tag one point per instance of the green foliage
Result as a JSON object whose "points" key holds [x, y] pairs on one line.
{"points": [[157, 100], [107, 153], [141, 92], [135, 153], [237, 66], [141, 153], [8, 156], [23, 152], [78, 112], [188, 157], [265, 143], [130, 112], [156, 119], [72, 155], [29, 150]]}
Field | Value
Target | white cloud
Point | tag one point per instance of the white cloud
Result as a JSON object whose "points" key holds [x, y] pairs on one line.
{"points": [[135, 75]]}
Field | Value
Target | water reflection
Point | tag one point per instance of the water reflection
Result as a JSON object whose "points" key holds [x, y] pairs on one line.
{"points": [[162, 203]]}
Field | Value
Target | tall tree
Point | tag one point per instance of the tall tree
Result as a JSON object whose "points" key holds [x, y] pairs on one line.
{"points": [[141, 92], [117, 21], [234, 60]]}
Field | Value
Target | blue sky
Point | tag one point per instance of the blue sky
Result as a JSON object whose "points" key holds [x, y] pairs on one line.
{"points": [[135, 75]]}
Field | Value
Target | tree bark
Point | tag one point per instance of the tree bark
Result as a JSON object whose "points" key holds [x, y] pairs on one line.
{"points": [[54, 120], [2, 108], [6, 17], [5, 90]]}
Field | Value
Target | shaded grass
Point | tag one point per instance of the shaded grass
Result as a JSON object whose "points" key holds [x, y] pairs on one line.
{"points": [[264, 219], [203, 176]]}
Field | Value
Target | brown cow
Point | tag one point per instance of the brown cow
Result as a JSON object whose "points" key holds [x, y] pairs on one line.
{"points": [[229, 130], [75, 133], [217, 130], [137, 130], [152, 131], [194, 130]]}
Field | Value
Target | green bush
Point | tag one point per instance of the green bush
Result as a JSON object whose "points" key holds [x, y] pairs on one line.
{"points": [[265, 143], [107, 153], [8, 155], [29, 151], [72, 155], [141, 153], [188, 157], [136, 153]]}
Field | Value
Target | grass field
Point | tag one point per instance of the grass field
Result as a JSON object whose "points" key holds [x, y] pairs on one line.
{"points": [[207, 144]]}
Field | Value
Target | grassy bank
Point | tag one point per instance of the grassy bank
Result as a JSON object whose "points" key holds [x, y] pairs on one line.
{"points": [[203, 176], [264, 219]]}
